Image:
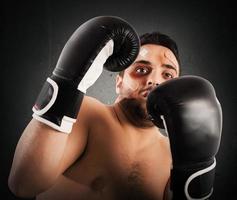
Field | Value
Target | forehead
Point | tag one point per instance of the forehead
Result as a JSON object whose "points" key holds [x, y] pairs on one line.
{"points": [[152, 51], [155, 54]]}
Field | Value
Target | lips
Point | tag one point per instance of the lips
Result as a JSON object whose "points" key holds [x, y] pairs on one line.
{"points": [[146, 92]]}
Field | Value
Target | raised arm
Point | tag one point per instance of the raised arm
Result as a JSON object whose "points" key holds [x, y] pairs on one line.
{"points": [[52, 141]]}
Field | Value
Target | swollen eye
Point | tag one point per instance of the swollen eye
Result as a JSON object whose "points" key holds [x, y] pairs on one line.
{"points": [[142, 70]]}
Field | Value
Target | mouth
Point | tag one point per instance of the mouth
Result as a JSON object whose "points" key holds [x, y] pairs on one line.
{"points": [[146, 92]]}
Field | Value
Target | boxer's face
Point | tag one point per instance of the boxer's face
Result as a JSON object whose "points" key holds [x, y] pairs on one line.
{"points": [[154, 65]]}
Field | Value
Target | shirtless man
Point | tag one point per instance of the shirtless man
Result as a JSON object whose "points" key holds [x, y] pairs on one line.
{"points": [[111, 151]]}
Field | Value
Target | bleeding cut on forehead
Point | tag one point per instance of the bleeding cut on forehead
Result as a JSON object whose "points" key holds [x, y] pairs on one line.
{"points": [[154, 65]]}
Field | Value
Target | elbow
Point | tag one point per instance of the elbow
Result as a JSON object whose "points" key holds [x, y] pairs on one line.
{"points": [[22, 189], [24, 184], [15, 189], [18, 189], [12, 186]]}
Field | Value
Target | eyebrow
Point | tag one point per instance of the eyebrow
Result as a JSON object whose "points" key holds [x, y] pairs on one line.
{"points": [[171, 67], [146, 62]]}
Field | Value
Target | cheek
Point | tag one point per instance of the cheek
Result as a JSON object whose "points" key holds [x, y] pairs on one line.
{"points": [[132, 82], [141, 80]]}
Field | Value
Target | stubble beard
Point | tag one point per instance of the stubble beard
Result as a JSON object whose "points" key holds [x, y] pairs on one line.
{"points": [[136, 112]]}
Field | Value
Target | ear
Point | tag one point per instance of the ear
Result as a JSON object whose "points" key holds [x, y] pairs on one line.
{"points": [[119, 81]]}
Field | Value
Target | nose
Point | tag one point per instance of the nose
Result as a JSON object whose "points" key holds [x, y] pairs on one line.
{"points": [[151, 83], [153, 79]]}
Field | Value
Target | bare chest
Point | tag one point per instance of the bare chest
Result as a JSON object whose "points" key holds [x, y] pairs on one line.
{"points": [[123, 162]]}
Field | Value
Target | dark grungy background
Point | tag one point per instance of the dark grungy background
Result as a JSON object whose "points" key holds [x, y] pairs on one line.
{"points": [[33, 34]]}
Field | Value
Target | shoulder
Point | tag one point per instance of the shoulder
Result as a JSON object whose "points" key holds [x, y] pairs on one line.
{"points": [[91, 102], [92, 110], [165, 141], [92, 106], [165, 145], [89, 114]]}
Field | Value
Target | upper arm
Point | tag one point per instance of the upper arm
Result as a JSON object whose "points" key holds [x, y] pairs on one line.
{"points": [[43, 153], [77, 139]]}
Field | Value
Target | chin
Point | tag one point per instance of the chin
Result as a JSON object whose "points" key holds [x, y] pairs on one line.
{"points": [[135, 111]]}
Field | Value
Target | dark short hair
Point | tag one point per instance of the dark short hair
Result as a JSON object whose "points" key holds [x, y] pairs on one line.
{"points": [[159, 39]]}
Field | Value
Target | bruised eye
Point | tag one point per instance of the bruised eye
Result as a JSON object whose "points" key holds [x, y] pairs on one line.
{"points": [[142, 70]]}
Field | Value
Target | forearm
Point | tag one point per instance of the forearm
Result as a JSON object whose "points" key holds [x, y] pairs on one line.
{"points": [[36, 163]]}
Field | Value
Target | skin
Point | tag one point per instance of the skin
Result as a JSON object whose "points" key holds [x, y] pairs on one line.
{"points": [[105, 156]]}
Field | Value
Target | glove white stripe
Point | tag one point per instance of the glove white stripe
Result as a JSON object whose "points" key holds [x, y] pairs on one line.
{"points": [[96, 68], [196, 174], [52, 100], [65, 127]]}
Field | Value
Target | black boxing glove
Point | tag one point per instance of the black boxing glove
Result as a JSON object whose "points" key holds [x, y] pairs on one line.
{"points": [[192, 117], [102, 41]]}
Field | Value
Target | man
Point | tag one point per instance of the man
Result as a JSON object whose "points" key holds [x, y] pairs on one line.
{"points": [[112, 152]]}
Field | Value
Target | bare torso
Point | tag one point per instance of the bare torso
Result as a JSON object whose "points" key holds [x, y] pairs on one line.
{"points": [[119, 162]]}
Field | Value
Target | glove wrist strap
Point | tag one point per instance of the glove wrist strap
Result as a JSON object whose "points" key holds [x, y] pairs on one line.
{"points": [[58, 104], [193, 183]]}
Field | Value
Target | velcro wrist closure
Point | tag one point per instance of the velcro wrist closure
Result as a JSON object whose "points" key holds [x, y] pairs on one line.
{"points": [[58, 104]]}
